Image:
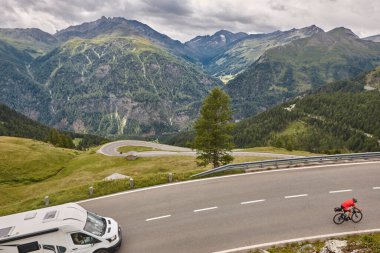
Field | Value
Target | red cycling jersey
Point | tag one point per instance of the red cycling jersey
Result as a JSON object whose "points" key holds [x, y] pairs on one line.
{"points": [[347, 204]]}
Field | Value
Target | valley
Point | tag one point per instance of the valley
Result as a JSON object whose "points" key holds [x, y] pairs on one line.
{"points": [[109, 76]]}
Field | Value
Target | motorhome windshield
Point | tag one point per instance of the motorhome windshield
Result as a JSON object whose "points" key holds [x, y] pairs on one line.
{"points": [[95, 224]]}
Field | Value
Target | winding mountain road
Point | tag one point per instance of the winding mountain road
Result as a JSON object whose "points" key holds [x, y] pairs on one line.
{"points": [[110, 149], [226, 213]]}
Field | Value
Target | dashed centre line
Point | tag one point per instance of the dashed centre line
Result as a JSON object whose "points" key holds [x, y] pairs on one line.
{"points": [[256, 201], [296, 196], [159, 217], [252, 201], [340, 191], [205, 209]]}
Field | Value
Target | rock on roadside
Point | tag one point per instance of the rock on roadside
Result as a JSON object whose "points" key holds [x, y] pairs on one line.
{"points": [[334, 246]]}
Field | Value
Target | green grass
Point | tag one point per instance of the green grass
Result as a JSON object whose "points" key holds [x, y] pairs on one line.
{"points": [[366, 243], [276, 151], [127, 149], [295, 128], [31, 170]]}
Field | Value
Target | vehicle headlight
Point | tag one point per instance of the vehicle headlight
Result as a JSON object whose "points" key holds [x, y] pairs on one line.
{"points": [[113, 238]]}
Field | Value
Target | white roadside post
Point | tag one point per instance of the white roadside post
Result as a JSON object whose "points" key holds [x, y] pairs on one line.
{"points": [[46, 200], [90, 191], [170, 177]]}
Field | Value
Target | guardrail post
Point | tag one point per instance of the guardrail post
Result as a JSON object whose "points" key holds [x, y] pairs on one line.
{"points": [[170, 177], [46, 200], [90, 191], [131, 183]]}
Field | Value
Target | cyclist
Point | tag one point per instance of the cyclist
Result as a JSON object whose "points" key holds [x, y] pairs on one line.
{"points": [[348, 205]]}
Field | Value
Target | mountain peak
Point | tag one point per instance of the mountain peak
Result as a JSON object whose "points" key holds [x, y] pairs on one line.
{"points": [[342, 31], [313, 28], [223, 32]]}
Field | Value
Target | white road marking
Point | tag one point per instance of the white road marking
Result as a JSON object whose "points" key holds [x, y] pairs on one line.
{"points": [[339, 191], [160, 217], [296, 196], [252, 201], [318, 237], [223, 177], [376, 188], [205, 209]]}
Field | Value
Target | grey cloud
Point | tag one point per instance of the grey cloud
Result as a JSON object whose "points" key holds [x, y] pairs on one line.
{"points": [[185, 19], [168, 7], [275, 5]]}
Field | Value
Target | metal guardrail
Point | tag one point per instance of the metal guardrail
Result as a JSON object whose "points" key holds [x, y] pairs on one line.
{"points": [[289, 162]]}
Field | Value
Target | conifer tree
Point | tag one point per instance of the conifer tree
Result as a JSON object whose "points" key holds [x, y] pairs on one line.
{"points": [[213, 140]]}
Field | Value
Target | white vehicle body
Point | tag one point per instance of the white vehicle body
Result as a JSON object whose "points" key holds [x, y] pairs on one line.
{"points": [[65, 228]]}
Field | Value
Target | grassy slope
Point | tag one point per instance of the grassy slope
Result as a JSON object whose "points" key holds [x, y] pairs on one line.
{"points": [[31, 170], [32, 41]]}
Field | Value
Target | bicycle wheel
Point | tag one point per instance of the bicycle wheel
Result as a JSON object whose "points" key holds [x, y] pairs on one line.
{"points": [[356, 216], [338, 218]]}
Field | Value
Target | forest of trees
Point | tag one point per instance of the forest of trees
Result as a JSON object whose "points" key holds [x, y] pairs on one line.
{"points": [[340, 117], [15, 124]]}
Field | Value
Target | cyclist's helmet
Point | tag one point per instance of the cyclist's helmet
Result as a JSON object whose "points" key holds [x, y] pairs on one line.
{"points": [[355, 200]]}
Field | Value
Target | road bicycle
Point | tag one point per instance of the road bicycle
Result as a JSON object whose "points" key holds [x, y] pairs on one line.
{"points": [[341, 217]]}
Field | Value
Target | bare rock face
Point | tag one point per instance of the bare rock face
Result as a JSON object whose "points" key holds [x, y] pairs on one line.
{"points": [[334, 246], [102, 71]]}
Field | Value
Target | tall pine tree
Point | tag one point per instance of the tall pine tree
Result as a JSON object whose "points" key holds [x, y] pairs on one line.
{"points": [[213, 140]]}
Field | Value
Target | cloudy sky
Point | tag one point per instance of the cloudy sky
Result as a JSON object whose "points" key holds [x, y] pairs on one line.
{"points": [[185, 19]]}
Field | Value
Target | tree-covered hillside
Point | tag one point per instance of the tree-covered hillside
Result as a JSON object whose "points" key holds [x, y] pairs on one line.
{"points": [[18, 89], [340, 117], [15, 124]]}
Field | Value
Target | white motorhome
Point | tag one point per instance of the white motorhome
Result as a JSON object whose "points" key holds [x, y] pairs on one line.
{"points": [[59, 229]]}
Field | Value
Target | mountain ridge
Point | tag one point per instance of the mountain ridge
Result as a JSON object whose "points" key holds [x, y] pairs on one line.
{"points": [[304, 64], [128, 85], [245, 51]]}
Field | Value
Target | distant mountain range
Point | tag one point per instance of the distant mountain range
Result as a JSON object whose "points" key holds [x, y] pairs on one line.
{"points": [[118, 77], [242, 52], [375, 38], [305, 64]]}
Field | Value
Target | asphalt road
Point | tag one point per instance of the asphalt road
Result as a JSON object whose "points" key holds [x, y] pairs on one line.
{"points": [[110, 149], [218, 214]]}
